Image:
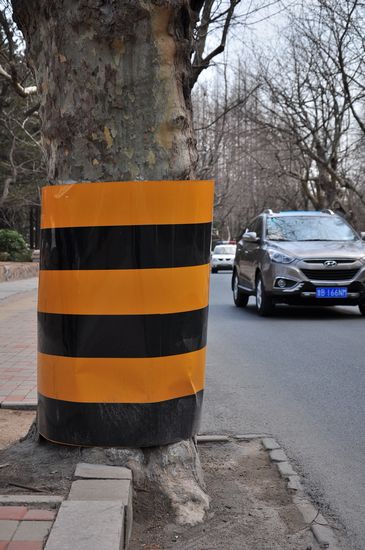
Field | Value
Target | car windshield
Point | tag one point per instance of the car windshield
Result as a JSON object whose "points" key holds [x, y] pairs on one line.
{"points": [[228, 249], [309, 228]]}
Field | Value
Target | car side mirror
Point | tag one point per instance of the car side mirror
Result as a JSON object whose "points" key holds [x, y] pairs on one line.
{"points": [[250, 237]]}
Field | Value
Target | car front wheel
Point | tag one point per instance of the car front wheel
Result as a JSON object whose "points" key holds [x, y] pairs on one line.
{"points": [[240, 298], [362, 308], [264, 304]]}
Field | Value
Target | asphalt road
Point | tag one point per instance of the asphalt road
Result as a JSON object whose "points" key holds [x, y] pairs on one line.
{"points": [[299, 376]]}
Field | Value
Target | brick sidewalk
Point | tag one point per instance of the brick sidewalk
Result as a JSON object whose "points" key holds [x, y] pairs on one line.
{"points": [[23, 528], [18, 329]]}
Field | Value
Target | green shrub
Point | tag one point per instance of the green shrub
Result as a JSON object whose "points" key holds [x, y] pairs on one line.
{"points": [[13, 246], [4, 256]]}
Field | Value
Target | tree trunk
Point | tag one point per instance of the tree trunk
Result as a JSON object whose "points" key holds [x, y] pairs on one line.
{"points": [[114, 83], [113, 78]]}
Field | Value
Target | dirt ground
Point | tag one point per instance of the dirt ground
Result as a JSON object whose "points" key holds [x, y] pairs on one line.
{"points": [[251, 508], [30, 466], [14, 425]]}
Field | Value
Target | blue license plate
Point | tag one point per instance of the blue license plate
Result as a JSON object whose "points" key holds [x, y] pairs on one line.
{"points": [[331, 292]]}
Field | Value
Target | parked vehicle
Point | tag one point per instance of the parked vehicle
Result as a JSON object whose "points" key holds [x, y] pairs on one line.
{"points": [[223, 257], [303, 258]]}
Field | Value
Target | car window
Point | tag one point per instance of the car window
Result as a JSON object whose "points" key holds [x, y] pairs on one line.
{"points": [[225, 249], [309, 228]]}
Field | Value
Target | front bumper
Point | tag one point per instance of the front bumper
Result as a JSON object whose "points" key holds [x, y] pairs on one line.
{"points": [[301, 289], [223, 264]]}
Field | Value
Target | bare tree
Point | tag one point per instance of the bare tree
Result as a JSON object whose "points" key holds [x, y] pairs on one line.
{"points": [[22, 167], [302, 98], [13, 68], [344, 21], [247, 159]]}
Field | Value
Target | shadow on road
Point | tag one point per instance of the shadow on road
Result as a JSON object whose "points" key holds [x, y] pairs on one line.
{"points": [[282, 312], [307, 313]]}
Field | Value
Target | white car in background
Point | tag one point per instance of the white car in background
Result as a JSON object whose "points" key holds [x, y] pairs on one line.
{"points": [[223, 257]]}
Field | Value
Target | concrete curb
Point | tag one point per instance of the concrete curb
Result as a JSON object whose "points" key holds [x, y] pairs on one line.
{"points": [[249, 437], [212, 438], [10, 500], [19, 405], [98, 511], [322, 532]]}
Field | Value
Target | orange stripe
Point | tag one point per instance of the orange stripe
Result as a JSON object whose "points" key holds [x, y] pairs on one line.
{"points": [[147, 380], [127, 203], [124, 291]]}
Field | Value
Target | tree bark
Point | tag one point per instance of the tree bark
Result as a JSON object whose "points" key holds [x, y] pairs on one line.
{"points": [[114, 83]]}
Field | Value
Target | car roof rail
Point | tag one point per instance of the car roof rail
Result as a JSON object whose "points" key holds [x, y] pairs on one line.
{"points": [[327, 211], [268, 211]]}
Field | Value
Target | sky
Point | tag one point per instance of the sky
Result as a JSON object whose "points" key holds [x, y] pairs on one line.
{"points": [[257, 30]]}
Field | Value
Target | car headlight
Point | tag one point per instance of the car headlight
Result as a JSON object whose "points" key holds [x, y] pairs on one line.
{"points": [[279, 257]]}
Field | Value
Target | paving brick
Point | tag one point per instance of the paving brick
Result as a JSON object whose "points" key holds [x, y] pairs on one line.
{"points": [[102, 471], [17, 358], [12, 397], [40, 515], [32, 530], [88, 526], [12, 512], [3, 544], [101, 489], [25, 545], [7, 529]]}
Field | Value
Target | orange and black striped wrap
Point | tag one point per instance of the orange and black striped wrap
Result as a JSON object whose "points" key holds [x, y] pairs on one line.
{"points": [[122, 311]]}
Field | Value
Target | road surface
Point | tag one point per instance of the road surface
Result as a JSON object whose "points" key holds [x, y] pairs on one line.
{"points": [[299, 376]]}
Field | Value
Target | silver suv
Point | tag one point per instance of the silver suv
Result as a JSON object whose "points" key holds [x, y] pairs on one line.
{"points": [[302, 258]]}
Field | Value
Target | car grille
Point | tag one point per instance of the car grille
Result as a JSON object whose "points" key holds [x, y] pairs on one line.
{"points": [[339, 261], [330, 274]]}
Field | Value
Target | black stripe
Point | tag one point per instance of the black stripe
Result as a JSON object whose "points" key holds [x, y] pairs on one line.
{"points": [[126, 247], [122, 335], [119, 424]]}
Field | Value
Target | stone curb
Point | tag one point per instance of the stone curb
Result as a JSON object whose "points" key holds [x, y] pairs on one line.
{"points": [[212, 438], [30, 499], [248, 437], [98, 512], [278, 456], [270, 444], [19, 405], [322, 532]]}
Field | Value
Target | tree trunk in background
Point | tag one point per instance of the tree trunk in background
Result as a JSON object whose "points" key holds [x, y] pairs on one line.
{"points": [[114, 83], [113, 78]]}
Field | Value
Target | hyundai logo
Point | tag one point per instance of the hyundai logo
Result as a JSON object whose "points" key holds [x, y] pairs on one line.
{"points": [[330, 263]]}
